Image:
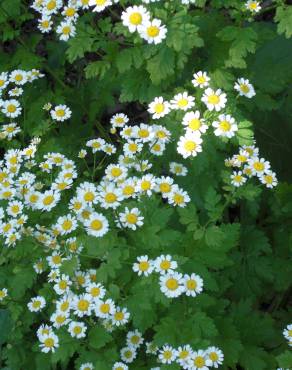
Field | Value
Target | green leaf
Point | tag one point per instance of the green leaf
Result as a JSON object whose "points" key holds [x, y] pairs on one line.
{"points": [[97, 69], [161, 65], [242, 41], [284, 19], [5, 325], [98, 337]]}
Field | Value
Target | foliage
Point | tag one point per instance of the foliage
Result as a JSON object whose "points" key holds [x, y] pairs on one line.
{"points": [[237, 239]]}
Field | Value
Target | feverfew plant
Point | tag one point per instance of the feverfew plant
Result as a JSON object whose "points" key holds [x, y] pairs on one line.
{"points": [[145, 204]]}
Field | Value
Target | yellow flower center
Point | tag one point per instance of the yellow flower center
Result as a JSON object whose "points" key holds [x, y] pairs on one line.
{"points": [[128, 190], [201, 80], [61, 112], [165, 265], [51, 5], [88, 196], [159, 108], [143, 133], [116, 172], [36, 304], [164, 187], [135, 18], [96, 225], [11, 108], [178, 198], [225, 126], [49, 342], [67, 225], [133, 147], [190, 146], [183, 354], [70, 12], [64, 306], [153, 31], [95, 292], [63, 284], [259, 166], [199, 361], [194, 124], [182, 103], [145, 185], [60, 319], [132, 218], [110, 197], [77, 330], [167, 355], [213, 99], [48, 200], [144, 266], [83, 305], [269, 179], [213, 356], [105, 308], [119, 316], [172, 284], [191, 284]]}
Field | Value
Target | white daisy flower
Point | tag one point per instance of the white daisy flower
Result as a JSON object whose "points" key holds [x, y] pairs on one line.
{"points": [[135, 16], [178, 197], [190, 144], [96, 144], [11, 108], [201, 79], [96, 290], [178, 169], [18, 77], [237, 178], [59, 319], [99, 5], [96, 225], [199, 361], [182, 101], [253, 6], [193, 122], [131, 218], [104, 309], [60, 113], [171, 284], [193, 284], [244, 88], [77, 329], [120, 317], [146, 184], [143, 266], [132, 147], [226, 126], [215, 355], [269, 179], [65, 30], [165, 264], [119, 120], [258, 166], [128, 354], [66, 224], [159, 108], [49, 342], [167, 354], [152, 31], [36, 304], [214, 100], [120, 366]]}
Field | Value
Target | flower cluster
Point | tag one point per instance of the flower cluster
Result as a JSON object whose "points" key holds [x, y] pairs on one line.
{"points": [[77, 299], [11, 87], [249, 164], [21, 193], [125, 181], [288, 334], [189, 359], [195, 122], [135, 18], [172, 283]]}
